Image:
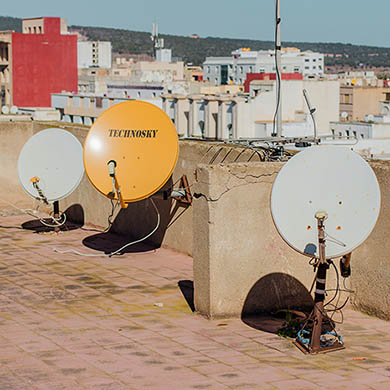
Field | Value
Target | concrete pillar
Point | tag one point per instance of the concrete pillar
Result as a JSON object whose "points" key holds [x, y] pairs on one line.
{"points": [[181, 121], [222, 120], [164, 104], [211, 118]]}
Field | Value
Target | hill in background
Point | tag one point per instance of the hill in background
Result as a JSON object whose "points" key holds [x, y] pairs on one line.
{"points": [[195, 51]]}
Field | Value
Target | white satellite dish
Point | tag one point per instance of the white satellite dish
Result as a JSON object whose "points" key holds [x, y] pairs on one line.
{"points": [[326, 178], [325, 202], [5, 110], [52, 160], [370, 117], [344, 115], [14, 110]]}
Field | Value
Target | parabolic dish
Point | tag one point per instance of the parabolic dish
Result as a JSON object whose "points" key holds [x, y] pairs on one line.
{"points": [[329, 178], [143, 142], [55, 156]]}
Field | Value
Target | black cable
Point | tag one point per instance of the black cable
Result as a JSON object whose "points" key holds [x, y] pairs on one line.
{"points": [[338, 283]]}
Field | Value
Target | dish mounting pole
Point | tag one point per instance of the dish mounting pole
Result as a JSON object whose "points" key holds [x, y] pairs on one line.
{"points": [[318, 315], [278, 54]]}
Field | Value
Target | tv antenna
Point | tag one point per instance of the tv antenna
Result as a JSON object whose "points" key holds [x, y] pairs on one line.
{"points": [[325, 202], [50, 167]]}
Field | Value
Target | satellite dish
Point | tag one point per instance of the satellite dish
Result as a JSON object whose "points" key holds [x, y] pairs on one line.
{"points": [[370, 117], [5, 110], [329, 178], [325, 202], [14, 110], [50, 165], [131, 151], [344, 115]]}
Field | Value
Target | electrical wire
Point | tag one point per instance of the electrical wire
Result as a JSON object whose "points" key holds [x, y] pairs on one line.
{"points": [[121, 248], [30, 212]]}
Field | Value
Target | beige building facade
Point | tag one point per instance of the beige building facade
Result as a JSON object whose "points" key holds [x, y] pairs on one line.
{"points": [[358, 101]]}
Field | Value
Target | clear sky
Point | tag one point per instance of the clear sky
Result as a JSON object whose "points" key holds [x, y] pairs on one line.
{"points": [[348, 21]]}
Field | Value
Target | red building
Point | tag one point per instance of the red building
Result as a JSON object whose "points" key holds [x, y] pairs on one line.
{"points": [[37, 62], [269, 76]]}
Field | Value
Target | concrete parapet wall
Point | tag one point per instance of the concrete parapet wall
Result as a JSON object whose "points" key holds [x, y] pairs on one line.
{"points": [[93, 208]]}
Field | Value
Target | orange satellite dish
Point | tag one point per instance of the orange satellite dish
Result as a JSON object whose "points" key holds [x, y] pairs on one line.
{"points": [[131, 151]]}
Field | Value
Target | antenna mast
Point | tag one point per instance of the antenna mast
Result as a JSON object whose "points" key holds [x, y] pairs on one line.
{"points": [[158, 43], [278, 48]]}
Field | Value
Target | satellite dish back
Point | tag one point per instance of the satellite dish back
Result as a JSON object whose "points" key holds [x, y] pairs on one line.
{"points": [[5, 110], [142, 141], [54, 157], [14, 110], [332, 179]]}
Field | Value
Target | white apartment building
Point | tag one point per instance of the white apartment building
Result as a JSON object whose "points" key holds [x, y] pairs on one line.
{"points": [[233, 70], [95, 54], [224, 117]]}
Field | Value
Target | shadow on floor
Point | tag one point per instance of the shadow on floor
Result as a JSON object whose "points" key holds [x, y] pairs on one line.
{"points": [[110, 242], [38, 227], [74, 220], [271, 297], [187, 289]]}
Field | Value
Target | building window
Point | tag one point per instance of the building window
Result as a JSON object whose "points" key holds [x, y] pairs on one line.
{"points": [[241, 69], [35, 30], [314, 60], [320, 67], [362, 136], [262, 71], [307, 67], [354, 134], [347, 132], [314, 67], [296, 69], [40, 30], [307, 60]]}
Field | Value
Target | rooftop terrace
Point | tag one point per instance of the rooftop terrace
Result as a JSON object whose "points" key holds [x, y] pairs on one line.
{"points": [[71, 322]]}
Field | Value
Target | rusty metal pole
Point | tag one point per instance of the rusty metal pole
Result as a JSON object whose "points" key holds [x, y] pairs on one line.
{"points": [[323, 266], [56, 213]]}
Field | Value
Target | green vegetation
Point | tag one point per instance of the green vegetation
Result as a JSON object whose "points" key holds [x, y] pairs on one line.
{"points": [[9, 23], [196, 50]]}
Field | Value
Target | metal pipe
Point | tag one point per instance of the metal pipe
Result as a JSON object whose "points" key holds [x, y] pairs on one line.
{"points": [[278, 48]]}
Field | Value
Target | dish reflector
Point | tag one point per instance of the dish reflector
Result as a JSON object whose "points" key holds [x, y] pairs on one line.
{"points": [[332, 179], [55, 158], [142, 141]]}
